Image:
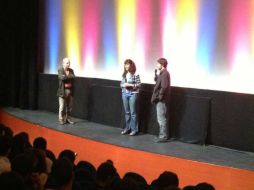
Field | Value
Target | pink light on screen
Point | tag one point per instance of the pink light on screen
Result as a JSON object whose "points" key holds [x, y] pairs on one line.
{"points": [[252, 29], [90, 34], [143, 31], [239, 44], [168, 26]]}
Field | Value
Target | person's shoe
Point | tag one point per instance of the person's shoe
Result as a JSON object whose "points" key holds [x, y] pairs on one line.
{"points": [[70, 121], [124, 132], [133, 133], [160, 140], [61, 122]]}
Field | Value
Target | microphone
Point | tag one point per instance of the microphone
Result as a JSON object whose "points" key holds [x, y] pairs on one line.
{"points": [[155, 75]]}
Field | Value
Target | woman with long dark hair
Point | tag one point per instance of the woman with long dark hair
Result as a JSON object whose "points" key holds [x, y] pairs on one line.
{"points": [[130, 85]]}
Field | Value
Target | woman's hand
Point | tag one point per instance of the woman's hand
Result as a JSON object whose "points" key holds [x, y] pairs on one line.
{"points": [[128, 85]]}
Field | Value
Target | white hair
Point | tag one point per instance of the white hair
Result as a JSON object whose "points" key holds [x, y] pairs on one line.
{"points": [[66, 60]]}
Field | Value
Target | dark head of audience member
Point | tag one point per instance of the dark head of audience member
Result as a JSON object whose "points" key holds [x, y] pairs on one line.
{"points": [[11, 181], [110, 162], [2, 127], [83, 179], [25, 137], [84, 176], [106, 174], [69, 154], [38, 158], [5, 145], [138, 179], [172, 188], [40, 143], [5, 131], [20, 143], [22, 164], [27, 165], [204, 186], [189, 187], [87, 166], [166, 179], [61, 176], [50, 155], [125, 184]]}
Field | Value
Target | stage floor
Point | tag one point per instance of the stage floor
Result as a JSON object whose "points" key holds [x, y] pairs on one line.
{"points": [[144, 142]]}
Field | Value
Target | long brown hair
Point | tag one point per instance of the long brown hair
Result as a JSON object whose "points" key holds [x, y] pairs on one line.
{"points": [[132, 67]]}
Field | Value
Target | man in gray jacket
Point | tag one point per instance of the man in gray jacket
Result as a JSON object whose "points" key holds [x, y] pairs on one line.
{"points": [[160, 97], [65, 91]]}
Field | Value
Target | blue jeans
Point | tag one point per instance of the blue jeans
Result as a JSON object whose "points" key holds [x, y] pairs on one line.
{"points": [[161, 109], [130, 109]]}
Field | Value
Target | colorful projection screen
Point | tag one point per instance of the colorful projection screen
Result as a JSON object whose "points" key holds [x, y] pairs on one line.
{"points": [[209, 44]]}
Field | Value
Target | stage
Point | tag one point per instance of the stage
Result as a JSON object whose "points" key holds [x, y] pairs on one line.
{"points": [[225, 168]]}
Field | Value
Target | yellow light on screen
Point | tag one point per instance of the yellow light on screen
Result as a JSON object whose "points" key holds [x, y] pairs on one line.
{"points": [[71, 25], [126, 25], [187, 26]]}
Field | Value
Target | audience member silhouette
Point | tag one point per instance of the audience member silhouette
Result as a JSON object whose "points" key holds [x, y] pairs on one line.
{"points": [[166, 179], [69, 154], [31, 165], [61, 176], [204, 186], [87, 166], [20, 143], [12, 181], [5, 131], [189, 187], [5, 146], [41, 144], [106, 175], [28, 169], [138, 179]]}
